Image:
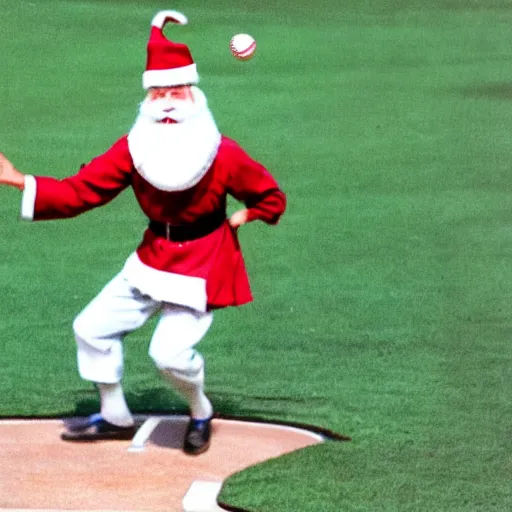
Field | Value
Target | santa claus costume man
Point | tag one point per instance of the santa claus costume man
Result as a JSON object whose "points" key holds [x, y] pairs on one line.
{"points": [[189, 262]]}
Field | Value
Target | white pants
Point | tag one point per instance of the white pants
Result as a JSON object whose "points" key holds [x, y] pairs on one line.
{"points": [[120, 309]]}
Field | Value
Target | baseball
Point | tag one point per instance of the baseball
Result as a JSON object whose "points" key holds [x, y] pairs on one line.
{"points": [[242, 46]]}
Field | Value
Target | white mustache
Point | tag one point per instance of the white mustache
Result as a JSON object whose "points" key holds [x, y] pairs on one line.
{"points": [[178, 110]]}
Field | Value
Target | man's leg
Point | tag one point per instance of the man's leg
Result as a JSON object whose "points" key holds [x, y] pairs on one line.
{"points": [[172, 349], [99, 331]]}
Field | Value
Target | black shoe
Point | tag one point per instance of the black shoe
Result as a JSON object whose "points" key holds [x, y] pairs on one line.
{"points": [[197, 438], [95, 428]]}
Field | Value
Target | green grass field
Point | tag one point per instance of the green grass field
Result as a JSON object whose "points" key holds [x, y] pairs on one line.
{"points": [[383, 300]]}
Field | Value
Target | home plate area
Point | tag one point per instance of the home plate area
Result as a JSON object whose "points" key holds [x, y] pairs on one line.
{"points": [[40, 472]]}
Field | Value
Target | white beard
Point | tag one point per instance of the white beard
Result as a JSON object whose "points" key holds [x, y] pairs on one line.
{"points": [[174, 157]]}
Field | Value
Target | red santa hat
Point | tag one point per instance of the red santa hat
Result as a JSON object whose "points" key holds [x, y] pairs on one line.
{"points": [[168, 63]]}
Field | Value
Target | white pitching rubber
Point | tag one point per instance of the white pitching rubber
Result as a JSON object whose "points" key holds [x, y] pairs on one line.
{"points": [[143, 434]]}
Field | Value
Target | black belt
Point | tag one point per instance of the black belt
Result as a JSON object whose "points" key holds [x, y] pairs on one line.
{"points": [[186, 232]]}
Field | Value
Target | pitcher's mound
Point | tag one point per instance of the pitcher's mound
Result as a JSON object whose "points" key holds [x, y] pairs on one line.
{"points": [[150, 473]]}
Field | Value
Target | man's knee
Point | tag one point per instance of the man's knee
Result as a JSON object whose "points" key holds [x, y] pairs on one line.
{"points": [[85, 336], [189, 362], [80, 325]]}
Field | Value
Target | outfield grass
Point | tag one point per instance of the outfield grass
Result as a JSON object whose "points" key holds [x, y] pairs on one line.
{"points": [[383, 299]]}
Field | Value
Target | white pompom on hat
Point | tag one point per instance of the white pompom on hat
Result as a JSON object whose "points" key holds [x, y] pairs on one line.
{"points": [[168, 64]]}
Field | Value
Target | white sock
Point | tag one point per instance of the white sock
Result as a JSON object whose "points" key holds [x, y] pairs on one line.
{"points": [[114, 408], [190, 386]]}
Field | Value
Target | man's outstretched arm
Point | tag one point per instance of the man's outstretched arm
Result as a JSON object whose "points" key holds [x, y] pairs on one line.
{"points": [[95, 184]]}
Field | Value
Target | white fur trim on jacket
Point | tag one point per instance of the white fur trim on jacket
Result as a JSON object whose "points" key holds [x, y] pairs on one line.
{"points": [[186, 75], [28, 199], [165, 286]]}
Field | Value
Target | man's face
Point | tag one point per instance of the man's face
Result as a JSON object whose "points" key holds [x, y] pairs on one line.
{"points": [[180, 92], [169, 104]]}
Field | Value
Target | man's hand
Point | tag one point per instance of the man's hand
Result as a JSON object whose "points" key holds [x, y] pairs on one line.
{"points": [[9, 175], [238, 218]]}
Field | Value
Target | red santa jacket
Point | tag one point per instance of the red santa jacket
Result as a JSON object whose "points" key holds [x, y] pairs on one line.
{"points": [[212, 264]]}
